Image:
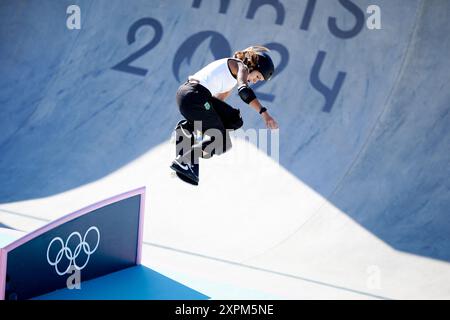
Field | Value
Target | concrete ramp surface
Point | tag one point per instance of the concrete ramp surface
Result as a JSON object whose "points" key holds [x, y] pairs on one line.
{"points": [[354, 203]]}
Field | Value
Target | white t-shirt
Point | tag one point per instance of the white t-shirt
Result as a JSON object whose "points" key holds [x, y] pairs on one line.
{"points": [[216, 77]]}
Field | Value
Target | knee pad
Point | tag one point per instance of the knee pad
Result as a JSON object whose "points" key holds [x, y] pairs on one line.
{"points": [[235, 121]]}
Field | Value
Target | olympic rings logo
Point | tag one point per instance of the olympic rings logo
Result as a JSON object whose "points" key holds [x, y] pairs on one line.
{"points": [[71, 256]]}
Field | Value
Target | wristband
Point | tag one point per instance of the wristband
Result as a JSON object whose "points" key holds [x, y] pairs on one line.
{"points": [[262, 110]]}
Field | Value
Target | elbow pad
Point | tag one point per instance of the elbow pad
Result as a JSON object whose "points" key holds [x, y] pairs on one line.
{"points": [[246, 94]]}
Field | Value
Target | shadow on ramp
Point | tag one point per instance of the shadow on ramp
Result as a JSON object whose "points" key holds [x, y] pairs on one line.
{"points": [[135, 283]]}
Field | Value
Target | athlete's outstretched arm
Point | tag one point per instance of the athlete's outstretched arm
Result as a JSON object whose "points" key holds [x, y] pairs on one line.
{"points": [[249, 96]]}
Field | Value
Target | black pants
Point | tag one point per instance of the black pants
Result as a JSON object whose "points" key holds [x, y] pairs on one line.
{"points": [[197, 104]]}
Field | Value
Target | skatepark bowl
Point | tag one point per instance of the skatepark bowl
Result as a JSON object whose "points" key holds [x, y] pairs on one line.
{"points": [[351, 202]]}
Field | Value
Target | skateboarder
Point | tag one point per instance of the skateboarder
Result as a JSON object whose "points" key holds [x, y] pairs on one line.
{"points": [[201, 101]]}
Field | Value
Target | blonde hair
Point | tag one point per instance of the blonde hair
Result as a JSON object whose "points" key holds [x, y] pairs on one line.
{"points": [[250, 56]]}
